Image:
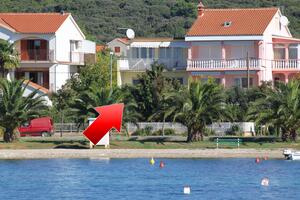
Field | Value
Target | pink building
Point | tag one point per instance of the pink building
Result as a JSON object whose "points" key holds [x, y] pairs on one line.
{"points": [[221, 40]]}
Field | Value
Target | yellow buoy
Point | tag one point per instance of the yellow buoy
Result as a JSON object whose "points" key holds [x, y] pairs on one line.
{"points": [[152, 161]]}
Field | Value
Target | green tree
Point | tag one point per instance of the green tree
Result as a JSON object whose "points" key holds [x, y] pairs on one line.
{"points": [[9, 58], [15, 109], [149, 92], [84, 105], [197, 106], [279, 107]]}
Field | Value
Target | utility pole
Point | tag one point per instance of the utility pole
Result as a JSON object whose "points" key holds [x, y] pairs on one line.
{"points": [[111, 56], [248, 71]]}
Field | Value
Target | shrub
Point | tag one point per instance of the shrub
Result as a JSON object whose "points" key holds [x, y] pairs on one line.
{"points": [[168, 131], [208, 132], [143, 131], [234, 130]]}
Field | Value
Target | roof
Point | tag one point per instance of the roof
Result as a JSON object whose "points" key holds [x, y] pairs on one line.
{"points": [[244, 21], [123, 40], [100, 47], [44, 23], [36, 86]]}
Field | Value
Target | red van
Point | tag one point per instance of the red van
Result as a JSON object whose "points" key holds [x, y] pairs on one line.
{"points": [[37, 127]]}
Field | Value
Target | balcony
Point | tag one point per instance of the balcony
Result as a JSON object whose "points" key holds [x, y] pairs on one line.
{"points": [[77, 58], [132, 64], [37, 55], [291, 65], [234, 64]]}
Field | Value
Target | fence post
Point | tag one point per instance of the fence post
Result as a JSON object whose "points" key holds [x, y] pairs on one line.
{"points": [[217, 143]]}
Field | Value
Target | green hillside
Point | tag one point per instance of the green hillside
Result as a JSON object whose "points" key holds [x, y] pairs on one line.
{"points": [[101, 19]]}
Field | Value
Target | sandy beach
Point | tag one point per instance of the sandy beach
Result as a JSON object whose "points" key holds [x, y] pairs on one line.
{"points": [[138, 153]]}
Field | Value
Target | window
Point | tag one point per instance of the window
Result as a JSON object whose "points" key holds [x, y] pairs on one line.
{"points": [[143, 52], [210, 52], [243, 82], [117, 49], [227, 24], [151, 53], [165, 53], [135, 52], [293, 51], [279, 52], [74, 45]]}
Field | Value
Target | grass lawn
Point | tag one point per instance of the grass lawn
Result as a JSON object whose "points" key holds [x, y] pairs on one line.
{"points": [[81, 143]]}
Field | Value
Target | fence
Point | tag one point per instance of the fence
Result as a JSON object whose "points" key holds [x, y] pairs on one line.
{"points": [[177, 127], [68, 127]]}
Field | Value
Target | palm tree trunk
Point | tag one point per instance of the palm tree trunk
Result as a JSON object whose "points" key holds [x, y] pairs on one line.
{"points": [[9, 136], [293, 135], [284, 135], [195, 136], [190, 135]]}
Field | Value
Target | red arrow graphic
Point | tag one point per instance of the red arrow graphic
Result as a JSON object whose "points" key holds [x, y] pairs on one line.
{"points": [[109, 117]]}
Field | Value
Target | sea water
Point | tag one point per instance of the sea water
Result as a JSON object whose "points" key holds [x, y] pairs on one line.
{"points": [[115, 179]]}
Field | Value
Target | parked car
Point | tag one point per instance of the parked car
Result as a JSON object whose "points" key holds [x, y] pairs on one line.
{"points": [[37, 127]]}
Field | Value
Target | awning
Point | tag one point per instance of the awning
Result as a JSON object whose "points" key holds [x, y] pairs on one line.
{"points": [[145, 44], [285, 40], [177, 44]]}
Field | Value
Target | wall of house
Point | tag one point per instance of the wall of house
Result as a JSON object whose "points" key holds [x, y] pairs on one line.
{"points": [[127, 77], [59, 74], [274, 27], [67, 32], [224, 50], [123, 48]]}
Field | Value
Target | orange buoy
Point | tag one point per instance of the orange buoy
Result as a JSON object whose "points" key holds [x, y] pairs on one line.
{"points": [[257, 160], [161, 164]]}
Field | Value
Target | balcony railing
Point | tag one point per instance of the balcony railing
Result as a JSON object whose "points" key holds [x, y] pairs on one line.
{"points": [[37, 55], [143, 64], [292, 64], [223, 64], [77, 58]]}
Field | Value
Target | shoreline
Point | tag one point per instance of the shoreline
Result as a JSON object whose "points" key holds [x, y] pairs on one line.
{"points": [[23, 154]]}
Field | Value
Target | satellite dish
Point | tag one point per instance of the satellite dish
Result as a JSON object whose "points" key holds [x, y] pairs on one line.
{"points": [[130, 34], [284, 21]]}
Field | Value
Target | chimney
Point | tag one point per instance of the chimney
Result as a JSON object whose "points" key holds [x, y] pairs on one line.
{"points": [[200, 9]]}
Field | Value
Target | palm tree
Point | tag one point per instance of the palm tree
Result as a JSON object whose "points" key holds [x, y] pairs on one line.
{"points": [[280, 107], [16, 109], [196, 107], [84, 105], [9, 58]]}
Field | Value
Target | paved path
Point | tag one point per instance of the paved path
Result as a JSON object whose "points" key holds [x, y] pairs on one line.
{"points": [[139, 153]]}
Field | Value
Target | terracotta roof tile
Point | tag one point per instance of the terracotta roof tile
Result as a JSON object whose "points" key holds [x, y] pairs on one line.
{"points": [[100, 48], [5, 25], [248, 21], [44, 23]]}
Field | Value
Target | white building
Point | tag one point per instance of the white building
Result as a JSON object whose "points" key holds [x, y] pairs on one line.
{"points": [[51, 46]]}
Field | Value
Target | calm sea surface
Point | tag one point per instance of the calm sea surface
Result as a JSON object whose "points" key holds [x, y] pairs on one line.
{"points": [[136, 179]]}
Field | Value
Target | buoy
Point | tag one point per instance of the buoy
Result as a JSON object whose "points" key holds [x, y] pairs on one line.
{"points": [[152, 161], [161, 164], [265, 182], [257, 160], [187, 190]]}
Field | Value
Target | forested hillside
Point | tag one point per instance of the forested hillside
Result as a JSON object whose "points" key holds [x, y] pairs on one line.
{"points": [[101, 20]]}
